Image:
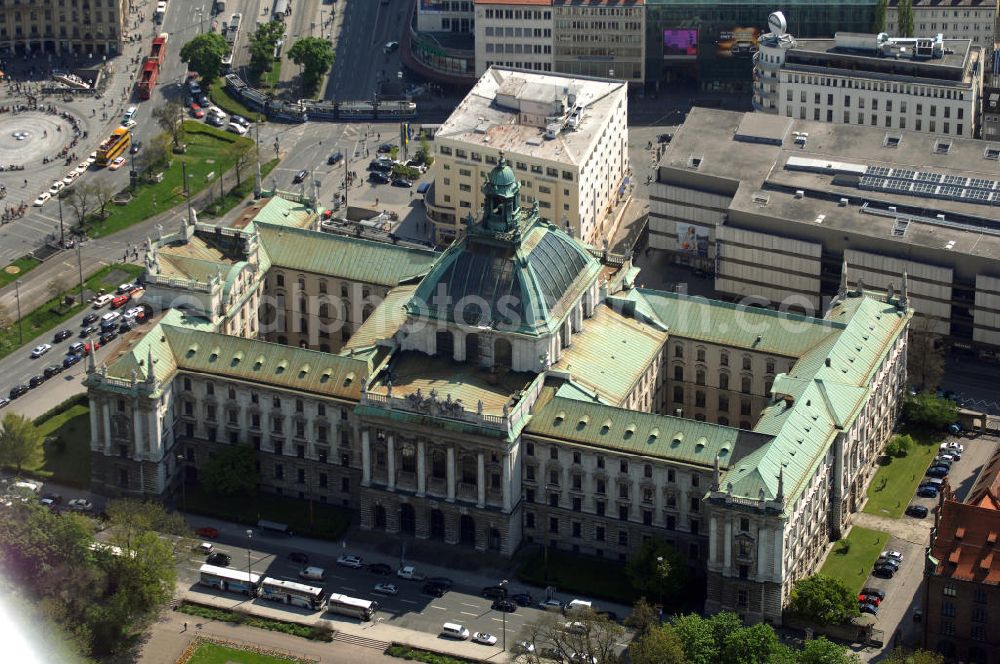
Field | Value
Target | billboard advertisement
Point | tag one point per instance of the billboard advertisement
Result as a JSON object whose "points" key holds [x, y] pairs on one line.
{"points": [[692, 239], [680, 43], [738, 43], [432, 5]]}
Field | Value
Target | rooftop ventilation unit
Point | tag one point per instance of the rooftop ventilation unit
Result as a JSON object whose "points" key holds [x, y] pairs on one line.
{"points": [[992, 152], [942, 147], [760, 198], [694, 161], [843, 202]]}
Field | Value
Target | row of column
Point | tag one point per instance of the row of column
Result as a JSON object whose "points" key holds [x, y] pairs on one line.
{"points": [[777, 551], [366, 470], [145, 435]]}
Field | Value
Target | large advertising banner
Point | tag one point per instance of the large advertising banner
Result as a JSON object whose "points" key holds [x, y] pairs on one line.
{"points": [[692, 239], [432, 5], [680, 43], [738, 43]]}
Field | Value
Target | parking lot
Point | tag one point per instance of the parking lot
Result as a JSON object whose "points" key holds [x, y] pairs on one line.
{"points": [[910, 536]]}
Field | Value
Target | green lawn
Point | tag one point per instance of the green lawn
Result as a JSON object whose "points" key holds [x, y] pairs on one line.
{"points": [[236, 195], [208, 151], [18, 269], [52, 313], [406, 652], [222, 99], [67, 456], [323, 521], [895, 482], [213, 653], [852, 558], [574, 573]]}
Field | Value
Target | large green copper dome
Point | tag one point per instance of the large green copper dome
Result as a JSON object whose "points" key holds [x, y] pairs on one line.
{"points": [[501, 181]]}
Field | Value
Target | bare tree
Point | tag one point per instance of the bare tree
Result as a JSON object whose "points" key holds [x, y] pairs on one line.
{"points": [[583, 636], [155, 152], [170, 117], [926, 354], [242, 157], [80, 200], [103, 195], [56, 287]]}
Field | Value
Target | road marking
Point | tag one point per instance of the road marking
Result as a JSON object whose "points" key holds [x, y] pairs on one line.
{"points": [[475, 606], [351, 589], [466, 613], [339, 578], [407, 601], [497, 619], [441, 608]]}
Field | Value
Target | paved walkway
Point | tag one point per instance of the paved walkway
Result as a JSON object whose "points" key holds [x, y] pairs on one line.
{"points": [[168, 640], [917, 531]]}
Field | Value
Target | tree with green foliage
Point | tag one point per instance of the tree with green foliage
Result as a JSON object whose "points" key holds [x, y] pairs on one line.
{"points": [[204, 55], [21, 443], [262, 45], [424, 154], [698, 635], [231, 472], [930, 411], [905, 12], [315, 56], [657, 646], [592, 633], [644, 617], [899, 445], [900, 656], [823, 600], [879, 24], [658, 569], [823, 651], [756, 644]]}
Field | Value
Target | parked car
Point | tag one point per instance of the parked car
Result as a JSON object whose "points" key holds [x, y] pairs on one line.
{"points": [[434, 589], [884, 572], [4, 401], [378, 177], [664, 138], [354, 562], [70, 360], [504, 605], [219, 559], [551, 605], [207, 532], [298, 557], [390, 46], [240, 120], [109, 336], [484, 638], [441, 581], [927, 492], [873, 592], [40, 350], [937, 471], [493, 592], [869, 608], [380, 568], [888, 562], [385, 589], [952, 446], [300, 177], [90, 318], [88, 331], [522, 599], [381, 164], [334, 158], [101, 300], [863, 598], [52, 370], [35, 381], [385, 148], [401, 182], [62, 335], [890, 553], [116, 164], [916, 511], [196, 110], [17, 391], [80, 505]]}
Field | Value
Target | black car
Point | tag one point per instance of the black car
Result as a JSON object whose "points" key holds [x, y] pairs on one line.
{"points": [[937, 471], [401, 182], [380, 568], [87, 331], [334, 158], [300, 177], [873, 592], [441, 581], [916, 511], [54, 497], [385, 166], [52, 370], [504, 605], [866, 607], [125, 326], [434, 589], [70, 360], [884, 572], [298, 557], [62, 335], [89, 318], [888, 561], [385, 148], [219, 559], [35, 381], [664, 138], [378, 177], [18, 390], [135, 147], [493, 592], [109, 336], [523, 599]]}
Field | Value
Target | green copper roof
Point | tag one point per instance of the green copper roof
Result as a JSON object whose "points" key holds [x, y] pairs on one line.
{"points": [[384, 321], [611, 353], [501, 179], [283, 212], [731, 325], [636, 432], [352, 259]]}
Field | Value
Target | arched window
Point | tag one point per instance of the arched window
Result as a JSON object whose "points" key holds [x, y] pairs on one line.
{"points": [[745, 384], [678, 394], [746, 363], [770, 366], [302, 282], [324, 310], [279, 279], [724, 421], [322, 286], [699, 377], [700, 354], [678, 351], [724, 359]]}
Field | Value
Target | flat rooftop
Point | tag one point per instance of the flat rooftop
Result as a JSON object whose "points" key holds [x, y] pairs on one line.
{"points": [[480, 120], [954, 67], [762, 163]]}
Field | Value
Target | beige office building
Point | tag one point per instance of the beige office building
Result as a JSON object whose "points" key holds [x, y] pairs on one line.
{"points": [[955, 19], [566, 139], [79, 27]]}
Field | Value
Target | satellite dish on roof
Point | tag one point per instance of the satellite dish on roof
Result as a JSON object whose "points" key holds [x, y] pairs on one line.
{"points": [[777, 23]]}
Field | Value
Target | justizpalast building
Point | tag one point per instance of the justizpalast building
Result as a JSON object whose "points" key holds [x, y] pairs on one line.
{"points": [[517, 388]]}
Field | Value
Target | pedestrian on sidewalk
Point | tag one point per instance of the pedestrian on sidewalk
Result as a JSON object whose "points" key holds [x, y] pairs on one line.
{"points": [[185, 627]]}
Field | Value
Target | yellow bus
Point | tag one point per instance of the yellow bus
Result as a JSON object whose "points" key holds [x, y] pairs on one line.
{"points": [[115, 146]]}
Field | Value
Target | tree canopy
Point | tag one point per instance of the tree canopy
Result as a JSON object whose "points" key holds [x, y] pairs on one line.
{"points": [[900, 656], [232, 471], [823, 600], [262, 45], [823, 651], [928, 410], [21, 443], [204, 55], [658, 646], [658, 569], [316, 56]]}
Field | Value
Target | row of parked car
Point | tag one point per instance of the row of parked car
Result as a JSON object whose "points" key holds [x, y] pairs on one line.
{"points": [[888, 564]]}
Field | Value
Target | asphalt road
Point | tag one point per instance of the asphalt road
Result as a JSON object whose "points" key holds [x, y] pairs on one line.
{"points": [[361, 60], [410, 608]]}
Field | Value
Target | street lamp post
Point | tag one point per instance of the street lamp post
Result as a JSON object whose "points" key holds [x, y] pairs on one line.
{"points": [[503, 586], [79, 265], [249, 571], [17, 295], [62, 232]]}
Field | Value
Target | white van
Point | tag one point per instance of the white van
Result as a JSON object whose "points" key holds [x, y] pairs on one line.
{"points": [[313, 573], [102, 300], [129, 115], [454, 631], [579, 605]]}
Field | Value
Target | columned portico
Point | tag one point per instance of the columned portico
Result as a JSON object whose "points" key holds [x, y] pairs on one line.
{"points": [[421, 468], [451, 474], [366, 458]]}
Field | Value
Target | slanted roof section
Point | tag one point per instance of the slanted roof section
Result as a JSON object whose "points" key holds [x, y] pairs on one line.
{"points": [[635, 432], [133, 354], [986, 491], [732, 325], [611, 353], [387, 318], [283, 212], [965, 547], [352, 259]]}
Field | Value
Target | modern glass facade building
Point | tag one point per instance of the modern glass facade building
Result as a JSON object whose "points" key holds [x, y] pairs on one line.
{"points": [[712, 43]]}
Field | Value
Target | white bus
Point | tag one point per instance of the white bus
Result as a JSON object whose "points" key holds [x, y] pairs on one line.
{"points": [[290, 592], [229, 580], [351, 606]]}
